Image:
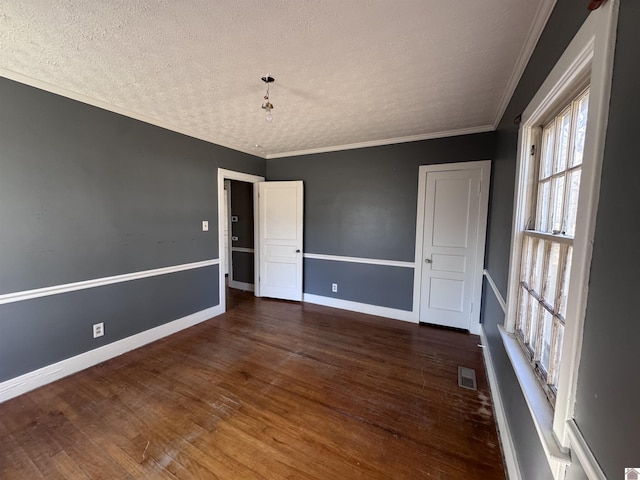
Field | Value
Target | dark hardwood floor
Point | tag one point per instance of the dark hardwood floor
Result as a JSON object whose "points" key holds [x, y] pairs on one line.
{"points": [[269, 390]]}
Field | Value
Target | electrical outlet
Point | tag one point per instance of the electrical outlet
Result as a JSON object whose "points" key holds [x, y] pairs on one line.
{"points": [[98, 330], [205, 225], [334, 287]]}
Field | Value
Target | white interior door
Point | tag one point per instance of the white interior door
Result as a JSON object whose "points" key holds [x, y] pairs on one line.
{"points": [[450, 246], [280, 227]]}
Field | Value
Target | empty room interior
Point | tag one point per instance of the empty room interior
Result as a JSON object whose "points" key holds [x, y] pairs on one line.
{"points": [[319, 240]]}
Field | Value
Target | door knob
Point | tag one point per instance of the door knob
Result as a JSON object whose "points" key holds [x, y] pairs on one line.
{"points": [[297, 251], [427, 260]]}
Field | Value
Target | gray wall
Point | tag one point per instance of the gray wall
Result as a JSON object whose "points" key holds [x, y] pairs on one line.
{"points": [[85, 194], [241, 197], [363, 203], [606, 406]]}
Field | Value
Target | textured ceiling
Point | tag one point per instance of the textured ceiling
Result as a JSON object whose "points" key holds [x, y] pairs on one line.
{"points": [[348, 72]]}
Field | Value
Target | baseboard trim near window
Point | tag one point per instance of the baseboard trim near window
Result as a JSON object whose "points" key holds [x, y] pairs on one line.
{"points": [[506, 439], [581, 452], [495, 290], [394, 313], [30, 381]]}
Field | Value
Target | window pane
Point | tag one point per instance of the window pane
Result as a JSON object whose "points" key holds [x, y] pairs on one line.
{"points": [[533, 322], [542, 213], [545, 352], [557, 204], [573, 189], [527, 252], [523, 309], [556, 349], [580, 130], [564, 131], [546, 158], [536, 280], [564, 290], [552, 275]]}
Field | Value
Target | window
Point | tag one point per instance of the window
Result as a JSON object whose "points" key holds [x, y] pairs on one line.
{"points": [[554, 169], [557, 190]]}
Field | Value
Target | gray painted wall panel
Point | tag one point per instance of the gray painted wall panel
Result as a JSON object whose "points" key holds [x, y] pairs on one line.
{"points": [[243, 267], [242, 207], [363, 202], [39, 332], [380, 285], [608, 397], [86, 193]]}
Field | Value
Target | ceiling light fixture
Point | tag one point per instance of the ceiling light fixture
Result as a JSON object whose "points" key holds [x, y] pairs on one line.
{"points": [[267, 105]]}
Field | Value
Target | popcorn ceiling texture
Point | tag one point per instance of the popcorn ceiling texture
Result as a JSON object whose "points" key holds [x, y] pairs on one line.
{"points": [[346, 71]]}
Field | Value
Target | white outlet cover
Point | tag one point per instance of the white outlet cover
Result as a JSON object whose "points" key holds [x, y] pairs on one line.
{"points": [[98, 330], [205, 225]]}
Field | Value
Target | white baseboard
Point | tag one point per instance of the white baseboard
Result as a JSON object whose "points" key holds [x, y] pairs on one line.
{"points": [[394, 313], [247, 287], [581, 451], [508, 447], [37, 378]]}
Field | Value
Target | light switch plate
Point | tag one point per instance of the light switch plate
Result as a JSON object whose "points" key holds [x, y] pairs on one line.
{"points": [[205, 225]]}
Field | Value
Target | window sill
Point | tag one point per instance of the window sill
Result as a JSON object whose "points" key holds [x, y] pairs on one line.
{"points": [[541, 411]]}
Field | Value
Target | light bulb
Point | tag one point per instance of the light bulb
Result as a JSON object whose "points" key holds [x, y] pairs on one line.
{"points": [[269, 117]]}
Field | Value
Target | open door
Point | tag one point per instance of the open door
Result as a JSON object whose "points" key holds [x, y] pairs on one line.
{"points": [[280, 239]]}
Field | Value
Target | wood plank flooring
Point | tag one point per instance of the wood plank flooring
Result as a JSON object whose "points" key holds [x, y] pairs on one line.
{"points": [[270, 390]]}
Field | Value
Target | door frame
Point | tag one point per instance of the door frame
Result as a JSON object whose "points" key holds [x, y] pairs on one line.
{"points": [[485, 166], [223, 175]]}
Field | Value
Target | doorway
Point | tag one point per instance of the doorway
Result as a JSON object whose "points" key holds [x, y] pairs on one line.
{"points": [[225, 227], [240, 237]]}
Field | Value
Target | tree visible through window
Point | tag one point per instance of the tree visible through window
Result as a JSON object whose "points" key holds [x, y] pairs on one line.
{"points": [[548, 240]]}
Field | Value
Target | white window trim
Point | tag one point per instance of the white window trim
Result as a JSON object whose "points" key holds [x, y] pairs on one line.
{"points": [[589, 55]]}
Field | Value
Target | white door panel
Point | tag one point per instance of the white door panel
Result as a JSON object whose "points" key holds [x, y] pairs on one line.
{"points": [[452, 209], [280, 227]]}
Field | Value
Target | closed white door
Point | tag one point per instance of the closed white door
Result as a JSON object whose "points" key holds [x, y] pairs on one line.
{"points": [[450, 244], [280, 227]]}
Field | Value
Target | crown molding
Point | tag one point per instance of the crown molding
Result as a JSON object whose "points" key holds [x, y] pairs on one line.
{"points": [[382, 142], [64, 92], [537, 27]]}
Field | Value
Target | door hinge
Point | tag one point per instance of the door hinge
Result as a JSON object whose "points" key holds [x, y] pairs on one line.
{"points": [[471, 307], [533, 150]]}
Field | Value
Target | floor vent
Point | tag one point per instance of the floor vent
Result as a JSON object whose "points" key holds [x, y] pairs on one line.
{"points": [[467, 378]]}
